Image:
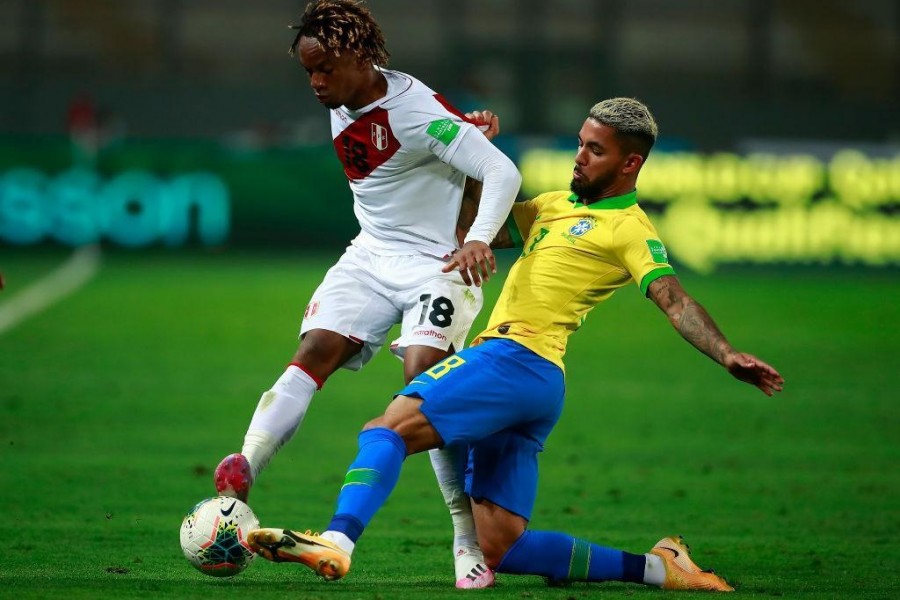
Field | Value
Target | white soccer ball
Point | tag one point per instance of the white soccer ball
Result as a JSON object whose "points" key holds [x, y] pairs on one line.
{"points": [[214, 536]]}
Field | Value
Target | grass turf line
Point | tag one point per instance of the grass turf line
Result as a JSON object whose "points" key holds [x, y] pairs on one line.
{"points": [[116, 404]]}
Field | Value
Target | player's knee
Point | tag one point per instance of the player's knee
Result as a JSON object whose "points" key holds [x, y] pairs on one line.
{"points": [[316, 349], [376, 424], [383, 423], [498, 530], [494, 549], [421, 358], [379, 423], [322, 352], [411, 369], [404, 417]]}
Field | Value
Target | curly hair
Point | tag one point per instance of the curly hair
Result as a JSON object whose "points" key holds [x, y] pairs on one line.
{"points": [[631, 119], [343, 25]]}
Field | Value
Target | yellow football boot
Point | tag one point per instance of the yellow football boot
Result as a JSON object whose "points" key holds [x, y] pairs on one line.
{"points": [[681, 572], [326, 558]]}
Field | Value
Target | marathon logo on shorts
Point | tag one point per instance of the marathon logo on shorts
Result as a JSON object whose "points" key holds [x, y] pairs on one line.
{"points": [[379, 136], [311, 309], [431, 333]]}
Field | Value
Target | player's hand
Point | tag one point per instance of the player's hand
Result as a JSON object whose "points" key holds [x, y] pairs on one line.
{"points": [[750, 369], [475, 262], [486, 121]]}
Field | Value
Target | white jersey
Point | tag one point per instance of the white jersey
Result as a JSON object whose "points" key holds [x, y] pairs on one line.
{"points": [[395, 153]]}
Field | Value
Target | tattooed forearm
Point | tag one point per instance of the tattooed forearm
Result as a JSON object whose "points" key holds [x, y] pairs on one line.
{"points": [[689, 318], [697, 327]]}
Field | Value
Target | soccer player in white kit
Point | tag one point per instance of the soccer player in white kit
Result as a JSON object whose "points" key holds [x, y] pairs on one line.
{"points": [[406, 153]]}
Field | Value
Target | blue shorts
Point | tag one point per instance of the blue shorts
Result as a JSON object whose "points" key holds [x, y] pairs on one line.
{"points": [[502, 400]]}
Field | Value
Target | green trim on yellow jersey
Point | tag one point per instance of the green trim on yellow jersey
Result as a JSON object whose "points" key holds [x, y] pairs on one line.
{"points": [[623, 201], [514, 233], [653, 276], [574, 258]]}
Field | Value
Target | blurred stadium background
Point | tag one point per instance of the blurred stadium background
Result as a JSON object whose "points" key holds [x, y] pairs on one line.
{"points": [[789, 107], [180, 136], [716, 73]]}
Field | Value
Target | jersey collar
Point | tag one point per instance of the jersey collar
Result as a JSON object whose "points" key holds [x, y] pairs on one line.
{"points": [[623, 201]]}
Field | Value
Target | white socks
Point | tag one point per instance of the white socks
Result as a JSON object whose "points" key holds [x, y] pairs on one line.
{"points": [[654, 570], [341, 539], [278, 415], [449, 465]]}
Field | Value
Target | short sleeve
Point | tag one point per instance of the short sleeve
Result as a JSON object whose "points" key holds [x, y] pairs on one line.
{"points": [[640, 251], [520, 220], [522, 217]]}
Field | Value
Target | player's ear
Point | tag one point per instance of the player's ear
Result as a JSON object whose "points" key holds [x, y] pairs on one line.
{"points": [[632, 163]]}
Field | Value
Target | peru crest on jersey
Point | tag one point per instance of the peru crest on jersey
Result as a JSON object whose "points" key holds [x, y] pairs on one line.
{"points": [[396, 153], [366, 144], [379, 136]]}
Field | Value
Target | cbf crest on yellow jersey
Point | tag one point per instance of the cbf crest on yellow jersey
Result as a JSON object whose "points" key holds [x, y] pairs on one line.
{"points": [[574, 256]]}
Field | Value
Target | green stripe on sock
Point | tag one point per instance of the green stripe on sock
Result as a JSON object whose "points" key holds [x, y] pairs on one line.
{"points": [[369, 477], [580, 562]]}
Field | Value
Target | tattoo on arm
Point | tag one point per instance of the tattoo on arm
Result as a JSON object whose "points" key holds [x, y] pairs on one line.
{"points": [[689, 318], [696, 326]]}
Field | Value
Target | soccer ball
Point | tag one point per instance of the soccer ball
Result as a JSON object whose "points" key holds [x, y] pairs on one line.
{"points": [[214, 536]]}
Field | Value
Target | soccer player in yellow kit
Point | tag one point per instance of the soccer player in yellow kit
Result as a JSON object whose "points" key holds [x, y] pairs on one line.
{"points": [[503, 395]]}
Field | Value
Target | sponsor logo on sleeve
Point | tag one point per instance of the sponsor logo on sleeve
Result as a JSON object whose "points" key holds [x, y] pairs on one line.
{"points": [[444, 130], [658, 251]]}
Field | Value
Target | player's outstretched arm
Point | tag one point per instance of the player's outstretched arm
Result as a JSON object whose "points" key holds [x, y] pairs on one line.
{"points": [[695, 325]]}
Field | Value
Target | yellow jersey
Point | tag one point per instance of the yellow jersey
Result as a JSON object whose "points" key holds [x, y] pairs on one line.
{"points": [[574, 257]]}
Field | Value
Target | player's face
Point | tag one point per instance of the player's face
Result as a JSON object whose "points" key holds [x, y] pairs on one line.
{"points": [[599, 162], [336, 80]]}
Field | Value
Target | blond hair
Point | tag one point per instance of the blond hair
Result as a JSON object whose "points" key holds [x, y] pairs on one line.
{"points": [[630, 118]]}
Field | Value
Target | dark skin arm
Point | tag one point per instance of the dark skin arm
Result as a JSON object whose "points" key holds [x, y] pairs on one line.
{"points": [[469, 208], [695, 325], [470, 199]]}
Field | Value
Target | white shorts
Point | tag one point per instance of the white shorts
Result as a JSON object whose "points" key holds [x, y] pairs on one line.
{"points": [[365, 294]]}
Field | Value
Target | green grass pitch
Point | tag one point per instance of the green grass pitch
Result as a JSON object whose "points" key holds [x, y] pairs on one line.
{"points": [[116, 404]]}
